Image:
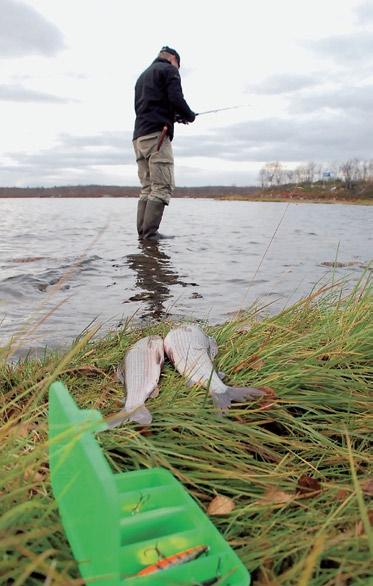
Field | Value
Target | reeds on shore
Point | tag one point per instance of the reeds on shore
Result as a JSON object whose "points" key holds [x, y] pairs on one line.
{"points": [[297, 469]]}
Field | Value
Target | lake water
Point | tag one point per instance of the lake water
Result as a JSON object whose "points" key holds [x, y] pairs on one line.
{"points": [[80, 260]]}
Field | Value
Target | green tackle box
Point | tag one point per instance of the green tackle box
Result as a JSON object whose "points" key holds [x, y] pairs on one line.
{"points": [[119, 523]]}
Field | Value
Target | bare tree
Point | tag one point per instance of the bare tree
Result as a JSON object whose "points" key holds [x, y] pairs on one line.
{"points": [[277, 172], [318, 172], [271, 174], [290, 175], [370, 170], [300, 174], [263, 178], [309, 172], [350, 172]]}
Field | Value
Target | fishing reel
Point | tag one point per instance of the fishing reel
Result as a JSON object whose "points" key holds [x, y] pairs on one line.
{"points": [[180, 120]]}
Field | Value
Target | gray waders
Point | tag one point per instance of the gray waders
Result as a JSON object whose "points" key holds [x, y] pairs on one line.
{"points": [[149, 217], [141, 206]]}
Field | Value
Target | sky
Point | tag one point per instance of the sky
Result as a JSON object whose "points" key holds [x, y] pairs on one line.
{"points": [[302, 71]]}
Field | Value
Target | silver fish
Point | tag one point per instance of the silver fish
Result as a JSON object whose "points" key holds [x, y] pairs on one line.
{"points": [[192, 353], [139, 372]]}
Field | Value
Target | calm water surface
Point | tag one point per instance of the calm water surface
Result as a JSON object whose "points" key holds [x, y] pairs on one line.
{"points": [[80, 260]]}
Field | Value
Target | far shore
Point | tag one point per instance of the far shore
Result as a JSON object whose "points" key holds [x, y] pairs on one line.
{"points": [[334, 192]]}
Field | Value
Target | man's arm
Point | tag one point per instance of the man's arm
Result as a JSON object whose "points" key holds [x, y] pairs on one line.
{"points": [[176, 98]]}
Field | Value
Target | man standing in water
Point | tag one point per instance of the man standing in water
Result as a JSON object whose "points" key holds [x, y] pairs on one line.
{"points": [[159, 102]]}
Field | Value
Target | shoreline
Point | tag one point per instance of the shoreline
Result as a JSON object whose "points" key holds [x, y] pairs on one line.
{"points": [[250, 198], [336, 192], [279, 199]]}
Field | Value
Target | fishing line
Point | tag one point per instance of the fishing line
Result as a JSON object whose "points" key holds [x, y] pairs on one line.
{"points": [[264, 255], [270, 242]]}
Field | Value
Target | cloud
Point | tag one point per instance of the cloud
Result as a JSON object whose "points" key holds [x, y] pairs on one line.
{"points": [[75, 159], [364, 13], [353, 99], [321, 137], [109, 139], [23, 31], [18, 176], [108, 158], [18, 93], [197, 177], [285, 83], [345, 49]]}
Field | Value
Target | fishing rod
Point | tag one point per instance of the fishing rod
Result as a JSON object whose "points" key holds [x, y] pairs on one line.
{"points": [[221, 109], [165, 128]]}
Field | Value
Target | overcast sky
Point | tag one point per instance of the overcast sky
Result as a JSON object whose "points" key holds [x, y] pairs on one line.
{"points": [[68, 69]]}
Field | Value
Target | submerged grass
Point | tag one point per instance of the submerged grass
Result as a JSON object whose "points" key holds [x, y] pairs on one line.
{"points": [[299, 470]]}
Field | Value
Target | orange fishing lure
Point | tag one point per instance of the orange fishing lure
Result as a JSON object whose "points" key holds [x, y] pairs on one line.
{"points": [[181, 557]]}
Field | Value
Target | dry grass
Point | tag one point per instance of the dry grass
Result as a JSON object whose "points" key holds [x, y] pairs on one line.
{"points": [[298, 471]]}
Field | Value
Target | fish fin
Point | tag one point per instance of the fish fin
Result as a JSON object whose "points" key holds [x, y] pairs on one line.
{"points": [[221, 401], [141, 415], [118, 419], [119, 375], [159, 358], [237, 394], [169, 353], [213, 347], [221, 375], [154, 393]]}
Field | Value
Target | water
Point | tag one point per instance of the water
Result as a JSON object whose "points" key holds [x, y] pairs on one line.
{"points": [[80, 260]]}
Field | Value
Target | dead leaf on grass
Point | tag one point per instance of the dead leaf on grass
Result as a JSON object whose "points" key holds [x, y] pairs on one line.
{"points": [[220, 505], [269, 398], [145, 431], [308, 486], [274, 496], [342, 494]]}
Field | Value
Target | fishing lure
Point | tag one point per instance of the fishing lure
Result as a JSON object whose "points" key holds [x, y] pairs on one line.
{"points": [[182, 557]]}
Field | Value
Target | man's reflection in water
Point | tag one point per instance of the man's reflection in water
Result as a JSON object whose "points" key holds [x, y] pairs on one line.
{"points": [[154, 275]]}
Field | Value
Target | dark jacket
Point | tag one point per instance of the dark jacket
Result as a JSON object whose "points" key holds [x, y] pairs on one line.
{"points": [[158, 98]]}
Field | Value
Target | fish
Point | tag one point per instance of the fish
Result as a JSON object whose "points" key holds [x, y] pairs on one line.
{"points": [[182, 557], [139, 371], [192, 354]]}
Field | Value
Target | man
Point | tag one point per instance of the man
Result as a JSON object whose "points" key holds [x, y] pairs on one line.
{"points": [[159, 102]]}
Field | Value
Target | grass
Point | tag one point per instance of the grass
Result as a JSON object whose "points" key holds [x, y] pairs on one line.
{"points": [[299, 471]]}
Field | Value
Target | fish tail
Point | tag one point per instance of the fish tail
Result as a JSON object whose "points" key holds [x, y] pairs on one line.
{"points": [[141, 415], [118, 419], [235, 394]]}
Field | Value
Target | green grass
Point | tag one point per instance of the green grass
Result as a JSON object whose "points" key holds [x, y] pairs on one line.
{"points": [[317, 356]]}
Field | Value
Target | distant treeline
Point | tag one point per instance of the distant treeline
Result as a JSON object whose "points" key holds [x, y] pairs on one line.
{"points": [[119, 191], [350, 173]]}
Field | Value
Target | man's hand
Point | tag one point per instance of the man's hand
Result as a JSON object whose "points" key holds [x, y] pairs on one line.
{"points": [[180, 120]]}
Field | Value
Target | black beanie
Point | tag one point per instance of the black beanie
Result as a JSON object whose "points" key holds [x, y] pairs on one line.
{"points": [[172, 52]]}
